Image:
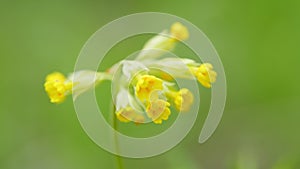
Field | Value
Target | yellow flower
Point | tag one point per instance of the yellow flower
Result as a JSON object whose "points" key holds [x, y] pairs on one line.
{"points": [[205, 74], [146, 84], [125, 114], [56, 87], [128, 114], [163, 42], [179, 31], [158, 110], [183, 99]]}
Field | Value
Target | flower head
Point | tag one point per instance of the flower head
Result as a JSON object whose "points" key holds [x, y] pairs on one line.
{"points": [[205, 74], [163, 42], [57, 87], [158, 110], [183, 99], [128, 114], [179, 31], [146, 85]]}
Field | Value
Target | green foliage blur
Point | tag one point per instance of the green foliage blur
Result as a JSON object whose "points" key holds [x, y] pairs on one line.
{"points": [[258, 42]]}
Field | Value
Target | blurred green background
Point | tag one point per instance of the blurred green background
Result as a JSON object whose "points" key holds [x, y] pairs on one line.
{"points": [[258, 42]]}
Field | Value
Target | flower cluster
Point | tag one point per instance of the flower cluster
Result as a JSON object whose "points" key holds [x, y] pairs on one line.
{"points": [[57, 87], [145, 87]]}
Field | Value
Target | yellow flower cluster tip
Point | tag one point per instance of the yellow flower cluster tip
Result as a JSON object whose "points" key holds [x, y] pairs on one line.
{"points": [[151, 91], [148, 90], [183, 100], [128, 114], [179, 31], [146, 84], [205, 74], [158, 110], [56, 87]]}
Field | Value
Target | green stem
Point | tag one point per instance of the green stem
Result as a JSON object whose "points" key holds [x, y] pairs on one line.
{"points": [[117, 146]]}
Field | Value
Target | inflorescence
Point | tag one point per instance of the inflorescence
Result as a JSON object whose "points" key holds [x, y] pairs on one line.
{"points": [[143, 93]]}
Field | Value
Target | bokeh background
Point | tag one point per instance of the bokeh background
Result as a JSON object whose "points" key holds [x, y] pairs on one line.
{"points": [[258, 42]]}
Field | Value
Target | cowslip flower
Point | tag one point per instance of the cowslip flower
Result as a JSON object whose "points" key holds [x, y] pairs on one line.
{"points": [[144, 88], [179, 31], [126, 108], [205, 74], [128, 114], [58, 86], [146, 85], [164, 42], [158, 110], [183, 99]]}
